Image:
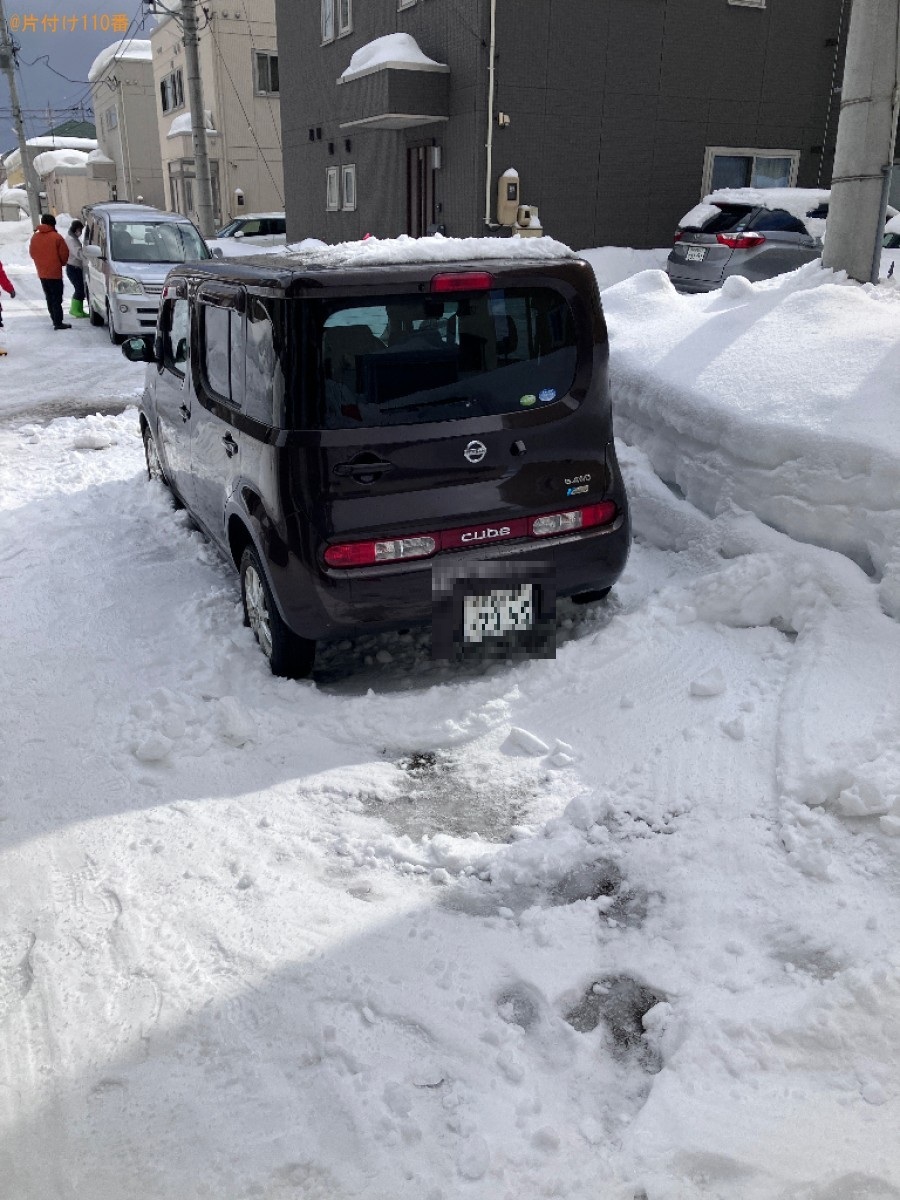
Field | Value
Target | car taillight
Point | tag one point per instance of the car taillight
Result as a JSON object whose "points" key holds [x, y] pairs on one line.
{"points": [[462, 281], [468, 537], [678, 235], [573, 518], [740, 241]]}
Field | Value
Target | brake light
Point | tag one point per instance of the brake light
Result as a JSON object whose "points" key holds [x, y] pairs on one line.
{"points": [[740, 241], [467, 537], [679, 234], [462, 281], [575, 518]]}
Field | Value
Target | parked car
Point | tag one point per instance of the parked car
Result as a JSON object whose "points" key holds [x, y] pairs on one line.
{"points": [[257, 229], [128, 251], [890, 256], [355, 439], [753, 232]]}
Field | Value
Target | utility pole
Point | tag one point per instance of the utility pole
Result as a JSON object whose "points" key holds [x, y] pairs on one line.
{"points": [[8, 64], [864, 155], [202, 181]]}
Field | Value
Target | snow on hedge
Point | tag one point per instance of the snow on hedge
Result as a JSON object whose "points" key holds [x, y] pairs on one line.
{"points": [[778, 397]]}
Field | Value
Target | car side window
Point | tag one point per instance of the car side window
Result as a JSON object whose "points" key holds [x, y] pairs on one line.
{"points": [[776, 220], [264, 380], [175, 327], [223, 348]]}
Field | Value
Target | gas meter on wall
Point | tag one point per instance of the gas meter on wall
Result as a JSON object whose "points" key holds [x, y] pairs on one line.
{"points": [[507, 197]]}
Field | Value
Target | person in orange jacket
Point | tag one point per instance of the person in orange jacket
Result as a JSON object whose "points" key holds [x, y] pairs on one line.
{"points": [[7, 287], [50, 254]]}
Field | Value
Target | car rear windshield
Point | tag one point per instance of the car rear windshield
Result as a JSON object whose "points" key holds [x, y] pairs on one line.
{"points": [[399, 360], [156, 242], [738, 218]]}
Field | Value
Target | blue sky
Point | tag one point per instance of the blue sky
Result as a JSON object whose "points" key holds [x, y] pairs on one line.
{"points": [[69, 52]]}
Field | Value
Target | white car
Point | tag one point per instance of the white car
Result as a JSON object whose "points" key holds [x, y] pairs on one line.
{"points": [[259, 229], [890, 255]]}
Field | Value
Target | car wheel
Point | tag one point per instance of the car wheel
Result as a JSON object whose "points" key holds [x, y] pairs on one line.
{"points": [[590, 597], [95, 317], [116, 338], [289, 655], [154, 466]]}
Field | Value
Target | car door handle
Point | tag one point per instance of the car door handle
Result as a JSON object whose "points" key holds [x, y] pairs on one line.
{"points": [[231, 446], [185, 412], [365, 468]]}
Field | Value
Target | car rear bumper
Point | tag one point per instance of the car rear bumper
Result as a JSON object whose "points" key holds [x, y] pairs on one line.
{"points": [[393, 596]]}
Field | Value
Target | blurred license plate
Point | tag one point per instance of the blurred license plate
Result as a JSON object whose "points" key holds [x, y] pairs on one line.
{"points": [[497, 614], [694, 253]]}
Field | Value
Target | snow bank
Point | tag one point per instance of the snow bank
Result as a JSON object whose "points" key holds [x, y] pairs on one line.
{"points": [[386, 251], [612, 264], [398, 50], [136, 49], [779, 397]]}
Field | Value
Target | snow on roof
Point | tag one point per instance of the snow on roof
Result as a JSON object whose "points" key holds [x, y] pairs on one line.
{"points": [[509, 173], [97, 156], [134, 49], [373, 251], [14, 196], [398, 50], [182, 124], [50, 142], [66, 161]]}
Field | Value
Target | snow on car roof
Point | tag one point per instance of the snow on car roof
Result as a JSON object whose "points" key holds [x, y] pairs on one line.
{"points": [[799, 202], [372, 252]]}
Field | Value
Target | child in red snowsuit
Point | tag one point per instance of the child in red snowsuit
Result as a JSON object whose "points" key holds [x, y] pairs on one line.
{"points": [[7, 287]]}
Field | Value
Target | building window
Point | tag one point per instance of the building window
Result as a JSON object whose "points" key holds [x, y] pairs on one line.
{"points": [[405, 3], [345, 17], [266, 74], [348, 188], [331, 189], [327, 20], [112, 118], [749, 3], [171, 91], [181, 185], [725, 167]]}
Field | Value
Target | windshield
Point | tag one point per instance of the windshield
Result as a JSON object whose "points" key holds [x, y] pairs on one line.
{"points": [[230, 229], [400, 360], [156, 242]]}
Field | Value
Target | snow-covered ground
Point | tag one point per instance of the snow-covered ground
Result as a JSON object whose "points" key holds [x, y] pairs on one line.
{"points": [[617, 925]]}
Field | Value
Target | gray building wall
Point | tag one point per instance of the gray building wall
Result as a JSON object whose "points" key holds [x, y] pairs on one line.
{"points": [[612, 104]]}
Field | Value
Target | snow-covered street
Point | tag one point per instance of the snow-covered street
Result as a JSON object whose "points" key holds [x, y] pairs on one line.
{"points": [[620, 924]]}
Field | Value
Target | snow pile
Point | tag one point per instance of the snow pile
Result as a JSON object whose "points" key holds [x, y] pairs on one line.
{"points": [[397, 50], [66, 162], [778, 397], [12, 160], [182, 124], [373, 252], [134, 49], [97, 156], [14, 196], [612, 264]]}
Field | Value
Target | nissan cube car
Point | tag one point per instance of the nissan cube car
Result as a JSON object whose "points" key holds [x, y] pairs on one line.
{"points": [[384, 445]]}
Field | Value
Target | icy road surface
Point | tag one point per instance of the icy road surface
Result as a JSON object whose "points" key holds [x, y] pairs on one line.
{"points": [[620, 924]]}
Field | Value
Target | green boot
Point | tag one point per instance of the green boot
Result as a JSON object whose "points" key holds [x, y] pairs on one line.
{"points": [[76, 309]]}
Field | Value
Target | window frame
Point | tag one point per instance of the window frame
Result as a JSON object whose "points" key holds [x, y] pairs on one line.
{"points": [[172, 86], [332, 186], [343, 28], [348, 171], [748, 3], [233, 302], [712, 152], [401, 4], [327, 14], [268, 90]]}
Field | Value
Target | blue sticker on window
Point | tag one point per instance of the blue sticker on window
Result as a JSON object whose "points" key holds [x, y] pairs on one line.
{"points": [[547, 395]]}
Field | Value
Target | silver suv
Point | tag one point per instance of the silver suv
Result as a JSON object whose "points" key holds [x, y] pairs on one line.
{"points": [[750, 232], [128, 251]]}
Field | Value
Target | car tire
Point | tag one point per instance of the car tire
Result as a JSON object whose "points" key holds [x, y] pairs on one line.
{"points": [[591, 597], [116, 338], [289, 656], [96, 319], [151, 457]]}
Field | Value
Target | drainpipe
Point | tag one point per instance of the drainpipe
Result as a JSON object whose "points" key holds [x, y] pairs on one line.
{"points": [[490, 120]]}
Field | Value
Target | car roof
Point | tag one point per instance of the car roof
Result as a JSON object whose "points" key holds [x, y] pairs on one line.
{"points": [[137, 212], [256, 216]]}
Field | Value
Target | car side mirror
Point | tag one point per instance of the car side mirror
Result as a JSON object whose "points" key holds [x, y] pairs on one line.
{"points": [[217, 252], [139, 349], [92, 251], [239, 234]]}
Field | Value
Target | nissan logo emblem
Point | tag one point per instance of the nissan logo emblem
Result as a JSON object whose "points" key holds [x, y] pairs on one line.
{"points": [[475, 451]]}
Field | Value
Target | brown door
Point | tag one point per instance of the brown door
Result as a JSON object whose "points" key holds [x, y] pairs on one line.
{"points": [[419, 190]]}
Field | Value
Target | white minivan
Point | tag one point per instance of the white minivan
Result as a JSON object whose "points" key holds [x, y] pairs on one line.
{"points": [[128, 251]]}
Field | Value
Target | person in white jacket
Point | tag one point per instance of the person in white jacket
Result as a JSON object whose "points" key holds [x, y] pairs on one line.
{"points": [[75, 268]]}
